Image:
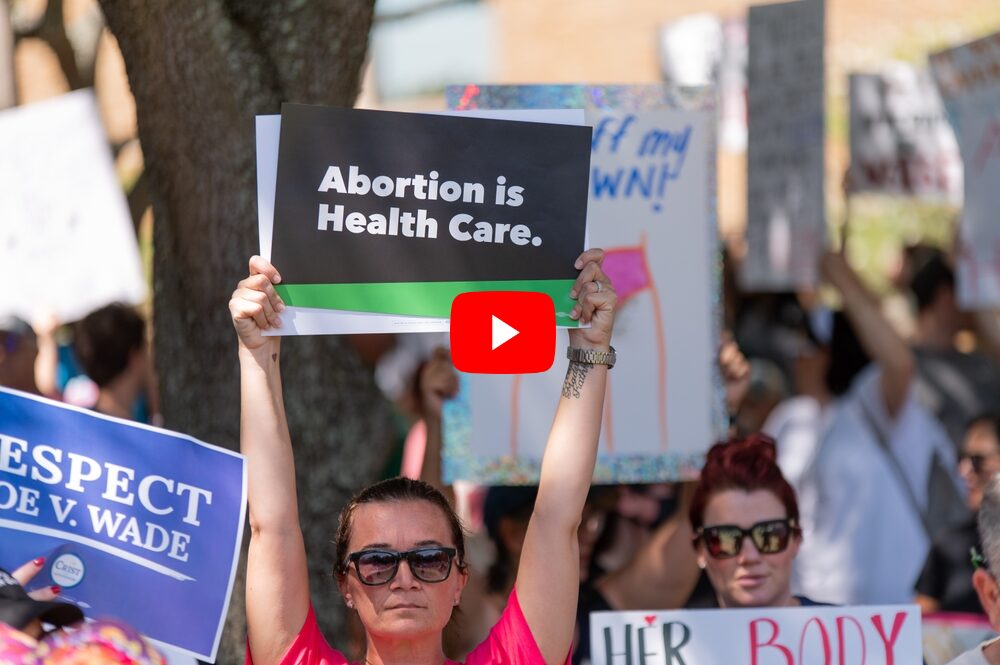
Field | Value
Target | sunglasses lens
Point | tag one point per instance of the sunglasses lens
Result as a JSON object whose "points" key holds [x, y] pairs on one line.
{"points": [[377, 567], [770, 537], [430, 565], [722, 542]]}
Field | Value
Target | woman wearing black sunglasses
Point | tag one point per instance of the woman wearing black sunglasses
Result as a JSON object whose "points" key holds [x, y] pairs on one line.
{"points": [[400, 550], [745, 520]]}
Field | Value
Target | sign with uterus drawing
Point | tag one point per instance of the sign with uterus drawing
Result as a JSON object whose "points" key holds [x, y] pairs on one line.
{"points": [[652, 209]]}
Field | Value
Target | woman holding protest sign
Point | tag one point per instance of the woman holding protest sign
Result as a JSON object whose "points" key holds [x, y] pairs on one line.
{"points": [[404, 608], [745, 519]]}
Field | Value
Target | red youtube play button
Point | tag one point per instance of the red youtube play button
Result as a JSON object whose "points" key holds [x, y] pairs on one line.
{"points": [[503, 332]]}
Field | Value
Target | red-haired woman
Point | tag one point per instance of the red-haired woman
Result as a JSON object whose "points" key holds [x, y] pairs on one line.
{"points": [[746, 525], [400, 550]]}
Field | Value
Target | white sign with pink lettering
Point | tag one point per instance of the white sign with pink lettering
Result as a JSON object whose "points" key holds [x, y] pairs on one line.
{"points": [[805, 635]]}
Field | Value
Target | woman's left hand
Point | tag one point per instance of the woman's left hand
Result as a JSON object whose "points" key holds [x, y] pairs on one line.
{"points": [[596, 300], [27, 572], [437, 381]]}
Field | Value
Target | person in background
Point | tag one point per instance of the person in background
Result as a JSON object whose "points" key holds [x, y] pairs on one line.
{"points": [[657, 567], [866, 545], [745, 519], [18, 353], [955, 385], [945, 583], [110, 344], [984, 578]]}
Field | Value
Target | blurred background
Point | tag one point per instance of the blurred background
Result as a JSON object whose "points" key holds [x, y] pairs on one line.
{"points": [[419, 46]]}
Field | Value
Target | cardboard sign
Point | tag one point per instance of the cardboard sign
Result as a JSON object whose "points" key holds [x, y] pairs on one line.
{"points": [[398, 213], [901, 141], [968, 78], [786, 217], [652, 211], [134, 522], [66, 234], [823, 635]]}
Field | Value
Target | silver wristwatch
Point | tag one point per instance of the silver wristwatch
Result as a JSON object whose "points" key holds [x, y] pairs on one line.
{"points": [[592, 356]]}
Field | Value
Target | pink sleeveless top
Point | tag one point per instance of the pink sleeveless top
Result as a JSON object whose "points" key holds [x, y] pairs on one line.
{"points": [[510, 642]]}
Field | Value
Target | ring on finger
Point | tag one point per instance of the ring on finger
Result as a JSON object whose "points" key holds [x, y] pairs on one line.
{"points": [[599, 286]]}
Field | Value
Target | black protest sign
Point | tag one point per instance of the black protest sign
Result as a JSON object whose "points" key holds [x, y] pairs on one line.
{"points": [[398, 213]]}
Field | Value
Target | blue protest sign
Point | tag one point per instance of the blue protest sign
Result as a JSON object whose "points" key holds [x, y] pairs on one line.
{"points": [[135, 522]]}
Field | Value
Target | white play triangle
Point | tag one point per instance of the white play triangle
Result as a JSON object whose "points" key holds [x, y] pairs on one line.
{"points": [[502, 333]]}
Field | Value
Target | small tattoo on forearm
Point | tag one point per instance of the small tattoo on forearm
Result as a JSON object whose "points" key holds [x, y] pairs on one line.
{"points": [[575, 377]]}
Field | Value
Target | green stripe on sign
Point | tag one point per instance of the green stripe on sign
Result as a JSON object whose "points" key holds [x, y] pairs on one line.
{"points": [[431, 299]]}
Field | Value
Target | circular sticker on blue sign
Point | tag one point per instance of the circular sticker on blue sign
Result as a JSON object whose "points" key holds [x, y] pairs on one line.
{"points": [[67, 570]]}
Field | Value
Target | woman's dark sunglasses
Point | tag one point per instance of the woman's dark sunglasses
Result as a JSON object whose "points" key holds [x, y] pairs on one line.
{"points": [[726, 540], [427, 564]]}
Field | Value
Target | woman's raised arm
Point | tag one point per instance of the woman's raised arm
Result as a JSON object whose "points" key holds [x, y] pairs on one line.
{"points": [[277, 585], [548, 576]]}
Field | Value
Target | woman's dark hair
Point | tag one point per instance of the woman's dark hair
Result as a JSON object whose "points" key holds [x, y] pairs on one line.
{"points": [[513, 502], [395, 490], [847, 356], [931, 276], [991, 418], [105, 340], [746, 464]]}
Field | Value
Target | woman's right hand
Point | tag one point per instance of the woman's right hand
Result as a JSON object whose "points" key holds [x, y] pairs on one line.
{"points": [[255, 305]]}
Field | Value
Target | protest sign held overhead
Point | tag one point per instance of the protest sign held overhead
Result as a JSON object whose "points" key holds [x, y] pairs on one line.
{"points": [[652, 194], [968, 78], [63, 212], [968, 72], [309, 321], [901, 142], [398, 213], [122, 513], [786, 217], [813, 635]]}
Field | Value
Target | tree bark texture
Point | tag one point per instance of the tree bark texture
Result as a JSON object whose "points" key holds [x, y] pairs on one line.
{"points": [[8, 95], [200, 71]]}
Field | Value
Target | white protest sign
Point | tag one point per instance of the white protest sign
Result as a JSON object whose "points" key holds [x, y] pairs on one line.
{"points": [[703, 49], [311, 321], [968, 73], [786, 219], [652, 210], [66, 236], [811, 635], [968, 78], [977, 275], [979, 254], [901, 142]]}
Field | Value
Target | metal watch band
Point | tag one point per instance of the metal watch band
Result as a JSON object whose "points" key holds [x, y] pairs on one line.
{"points": [[592, 356]]}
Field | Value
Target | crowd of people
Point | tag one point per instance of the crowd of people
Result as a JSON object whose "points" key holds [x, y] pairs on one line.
{"points": [[859, 469]]}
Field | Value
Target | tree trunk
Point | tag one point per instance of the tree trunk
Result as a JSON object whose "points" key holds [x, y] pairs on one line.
{"points": [[8, 94], [200, 71]]}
